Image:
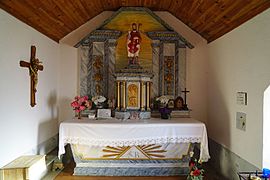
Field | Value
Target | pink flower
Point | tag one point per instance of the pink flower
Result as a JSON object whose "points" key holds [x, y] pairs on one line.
{"points": [[81, 103], [82, 108], [80, 100], [75, 104]]}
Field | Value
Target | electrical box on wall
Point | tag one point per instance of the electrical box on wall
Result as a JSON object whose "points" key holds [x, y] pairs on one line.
{"points": [[241, 121], [241, 98]]}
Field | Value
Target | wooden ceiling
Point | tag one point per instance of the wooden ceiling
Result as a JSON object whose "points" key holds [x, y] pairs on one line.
{"points": [[210, 18]]}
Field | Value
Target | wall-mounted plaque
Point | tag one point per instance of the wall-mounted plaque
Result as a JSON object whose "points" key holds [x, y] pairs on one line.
{"points": [[241, 98]]}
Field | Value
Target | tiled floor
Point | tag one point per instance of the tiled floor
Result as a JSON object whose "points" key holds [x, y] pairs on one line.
{"points": [[66, 174]]}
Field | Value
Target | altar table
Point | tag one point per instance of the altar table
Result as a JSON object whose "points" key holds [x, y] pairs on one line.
{"points": [[114, 147]]}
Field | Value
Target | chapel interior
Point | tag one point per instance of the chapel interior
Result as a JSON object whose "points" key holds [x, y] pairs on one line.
{"points": [[211, 56]]}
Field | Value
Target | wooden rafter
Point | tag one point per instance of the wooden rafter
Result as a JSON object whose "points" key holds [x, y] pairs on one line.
{"points": [[210, 18]]}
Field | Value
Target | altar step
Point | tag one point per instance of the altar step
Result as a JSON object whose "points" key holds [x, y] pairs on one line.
{"points": [[54, 165]]}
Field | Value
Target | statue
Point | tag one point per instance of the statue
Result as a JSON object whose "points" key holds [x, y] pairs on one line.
{"points": [[133, 44]]}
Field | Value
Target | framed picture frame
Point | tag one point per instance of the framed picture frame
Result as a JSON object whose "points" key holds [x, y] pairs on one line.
{"points": [[104, 114], [179, 103], [241, 98], [171, 104]]}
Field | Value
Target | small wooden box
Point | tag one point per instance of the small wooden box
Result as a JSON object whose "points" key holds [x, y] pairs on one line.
{"points": [[25, 167]]}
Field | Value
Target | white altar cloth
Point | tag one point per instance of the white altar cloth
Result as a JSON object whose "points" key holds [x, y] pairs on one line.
{"points": [[113, 132]]}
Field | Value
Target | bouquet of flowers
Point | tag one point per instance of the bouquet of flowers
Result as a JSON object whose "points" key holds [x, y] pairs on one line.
{"points": [[98, 100], [164, 99], [195, 169], [80, 103]]}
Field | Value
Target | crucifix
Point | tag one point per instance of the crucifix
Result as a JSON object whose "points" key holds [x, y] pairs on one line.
{"points": [[34, 65], [185, 107]]}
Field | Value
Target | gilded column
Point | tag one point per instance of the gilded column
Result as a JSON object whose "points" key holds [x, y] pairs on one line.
{"points": [[124, 95], [118, 95], [148, 96], [142, 96]]}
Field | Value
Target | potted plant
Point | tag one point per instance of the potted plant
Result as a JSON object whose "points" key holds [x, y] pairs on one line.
{"points": [[165, 112], [195, 168]]}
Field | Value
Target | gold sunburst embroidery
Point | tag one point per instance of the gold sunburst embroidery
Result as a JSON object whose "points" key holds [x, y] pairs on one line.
{"points": [[115, 152], [152, 151]]}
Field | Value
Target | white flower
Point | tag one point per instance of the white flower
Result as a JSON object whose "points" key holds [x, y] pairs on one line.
{"points": [[164, 99], [98, 99], [191, 154]]}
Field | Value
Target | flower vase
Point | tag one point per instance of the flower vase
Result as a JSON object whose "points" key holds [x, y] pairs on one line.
{"points": [[79, 115], [165, 115]]}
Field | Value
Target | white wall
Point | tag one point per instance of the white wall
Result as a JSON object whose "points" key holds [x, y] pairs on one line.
{"points": [[22, 127], [239, 61], [68, 80], [266, 127]]}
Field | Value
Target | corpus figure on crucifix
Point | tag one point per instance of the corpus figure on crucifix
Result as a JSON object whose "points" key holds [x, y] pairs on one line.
{"points": [[133, 44], [34, 65]]}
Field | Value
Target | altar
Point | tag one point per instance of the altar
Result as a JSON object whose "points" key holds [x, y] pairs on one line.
{"points": [[151, 147]]}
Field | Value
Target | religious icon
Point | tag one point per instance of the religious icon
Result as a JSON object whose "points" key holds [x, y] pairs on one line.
{"points": [[179, 103], [171, 104], [169, 62], [34, 66], [98, 63], [134, 115], [98, 77], [133, 44], [168, 77], [132, 95]]}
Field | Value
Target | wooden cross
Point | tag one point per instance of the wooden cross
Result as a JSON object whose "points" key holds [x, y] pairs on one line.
{"points": [[34, 65], [185, 93]]}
